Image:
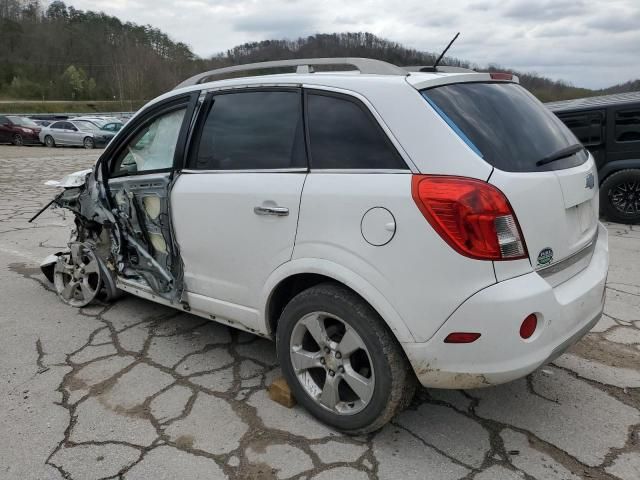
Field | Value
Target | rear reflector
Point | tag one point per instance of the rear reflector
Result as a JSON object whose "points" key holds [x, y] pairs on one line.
{"points": [[528, 326], [501, 76], [472, 216], [462, 337]]}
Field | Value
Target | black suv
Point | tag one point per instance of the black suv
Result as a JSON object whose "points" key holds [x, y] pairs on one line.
{"points": [[609, 126]]}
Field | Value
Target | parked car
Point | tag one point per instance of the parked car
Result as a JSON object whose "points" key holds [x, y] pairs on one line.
{"points": [[41, 123], [113, 126], [609, 126], [76, 132], [384, 228], [18, 130]]}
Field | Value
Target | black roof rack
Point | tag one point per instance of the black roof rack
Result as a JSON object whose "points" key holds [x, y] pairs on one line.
{"points": [[594, 102]]}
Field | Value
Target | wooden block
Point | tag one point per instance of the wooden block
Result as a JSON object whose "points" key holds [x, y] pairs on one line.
{"points": [[280, 393]]}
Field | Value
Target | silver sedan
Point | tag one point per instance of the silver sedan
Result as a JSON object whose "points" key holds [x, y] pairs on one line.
{"points": [[76, 132]]}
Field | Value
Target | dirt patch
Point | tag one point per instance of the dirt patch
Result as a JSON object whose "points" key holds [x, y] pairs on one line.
{"points": [[253, 471], [185, 442], [594, 347]]}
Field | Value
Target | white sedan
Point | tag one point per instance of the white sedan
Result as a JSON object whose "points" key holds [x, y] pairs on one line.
{"points": [[76, 132]]}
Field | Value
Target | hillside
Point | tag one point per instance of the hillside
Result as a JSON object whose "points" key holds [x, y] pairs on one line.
{"points": [[62, 53]]}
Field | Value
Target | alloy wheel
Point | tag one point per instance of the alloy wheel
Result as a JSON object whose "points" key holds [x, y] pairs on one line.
{"points": [[18, 140], [77, 276], [332, 363], [625, 197]]}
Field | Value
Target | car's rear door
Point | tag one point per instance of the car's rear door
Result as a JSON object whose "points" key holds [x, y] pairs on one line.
{"points": [[235, 206], [56, 130], [139, 176]]}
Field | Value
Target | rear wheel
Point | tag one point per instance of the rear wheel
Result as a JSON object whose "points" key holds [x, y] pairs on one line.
{"points": [[17, 140], [620, 196], [88, 143], [49, 141], [341, 361]]}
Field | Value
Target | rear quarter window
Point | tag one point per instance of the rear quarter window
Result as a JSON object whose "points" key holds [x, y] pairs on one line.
{"points": [[504, 124]]}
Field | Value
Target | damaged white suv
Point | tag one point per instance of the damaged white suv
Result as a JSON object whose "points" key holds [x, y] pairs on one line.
{"points": [[382, 225]]}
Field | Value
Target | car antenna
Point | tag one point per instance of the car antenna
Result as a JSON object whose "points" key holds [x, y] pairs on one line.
{"points": [[433, 68]]}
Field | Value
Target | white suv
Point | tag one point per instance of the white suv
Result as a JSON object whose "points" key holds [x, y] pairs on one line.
{"points": [[383, 226]]}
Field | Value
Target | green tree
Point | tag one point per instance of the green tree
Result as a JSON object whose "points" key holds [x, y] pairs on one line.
{"points": [[73, 82]]}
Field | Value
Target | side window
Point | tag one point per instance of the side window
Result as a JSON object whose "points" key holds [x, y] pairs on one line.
{"points": [[58, 125], [153, 147], [69, 126], [252, 131], [344, 135], [587, 127], [627, 126], [3, 120]]}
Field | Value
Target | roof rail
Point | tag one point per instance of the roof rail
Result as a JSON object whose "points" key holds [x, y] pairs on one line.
{"points": [[302, 65]]}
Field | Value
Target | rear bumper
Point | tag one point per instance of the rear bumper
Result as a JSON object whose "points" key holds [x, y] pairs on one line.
{"points": [[565, 314]]}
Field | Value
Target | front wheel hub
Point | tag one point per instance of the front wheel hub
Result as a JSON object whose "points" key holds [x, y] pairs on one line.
{"points": [[77, 275]]}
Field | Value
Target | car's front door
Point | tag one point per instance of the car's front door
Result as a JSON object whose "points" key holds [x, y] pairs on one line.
{"points": [[235, 206], [138, 177]]}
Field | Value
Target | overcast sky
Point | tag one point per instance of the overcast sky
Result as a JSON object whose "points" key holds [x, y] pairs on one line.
{"points": [[589, 43]]}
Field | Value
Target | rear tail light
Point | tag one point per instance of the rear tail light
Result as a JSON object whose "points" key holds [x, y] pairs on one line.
{"points": [[472, 216]]}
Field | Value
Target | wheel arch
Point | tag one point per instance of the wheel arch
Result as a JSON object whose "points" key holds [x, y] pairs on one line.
{"points": [[612, 167], [298, 275]]}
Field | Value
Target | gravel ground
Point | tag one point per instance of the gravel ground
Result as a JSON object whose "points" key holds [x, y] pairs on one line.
{"points": [[134, 390]]}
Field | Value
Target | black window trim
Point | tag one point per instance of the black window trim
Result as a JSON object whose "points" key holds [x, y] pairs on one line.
{"points": [[367, 111], [617, 111], [113, 151], [601, 113], [201, 119]]}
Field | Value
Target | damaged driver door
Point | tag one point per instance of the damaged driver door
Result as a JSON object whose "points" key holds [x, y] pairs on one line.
{"points": [[138, 180]]}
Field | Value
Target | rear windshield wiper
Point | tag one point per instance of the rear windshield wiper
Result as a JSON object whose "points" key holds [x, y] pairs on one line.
{"points": [[563, 153]]}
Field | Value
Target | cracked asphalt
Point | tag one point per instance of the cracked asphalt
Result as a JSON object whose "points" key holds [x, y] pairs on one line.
{"points": [[135, 390]]}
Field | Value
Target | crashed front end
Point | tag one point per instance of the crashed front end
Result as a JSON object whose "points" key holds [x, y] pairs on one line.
{"points": [[119, 235]]}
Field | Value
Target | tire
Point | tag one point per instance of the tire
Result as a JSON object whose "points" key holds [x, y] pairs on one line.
{"points": [[17, 140], [88, 143], [376, 364], [620, 196], [49, 141]]}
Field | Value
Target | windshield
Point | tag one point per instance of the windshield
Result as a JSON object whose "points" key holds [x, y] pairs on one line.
{"points": [[23, 122], [86, 126], [505, 125]]}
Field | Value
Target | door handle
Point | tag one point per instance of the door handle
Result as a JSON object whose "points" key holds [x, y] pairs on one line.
{"points": [[277, 211]]}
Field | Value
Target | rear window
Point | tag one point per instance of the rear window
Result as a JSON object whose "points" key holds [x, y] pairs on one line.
{"points": [[505, 125]]}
